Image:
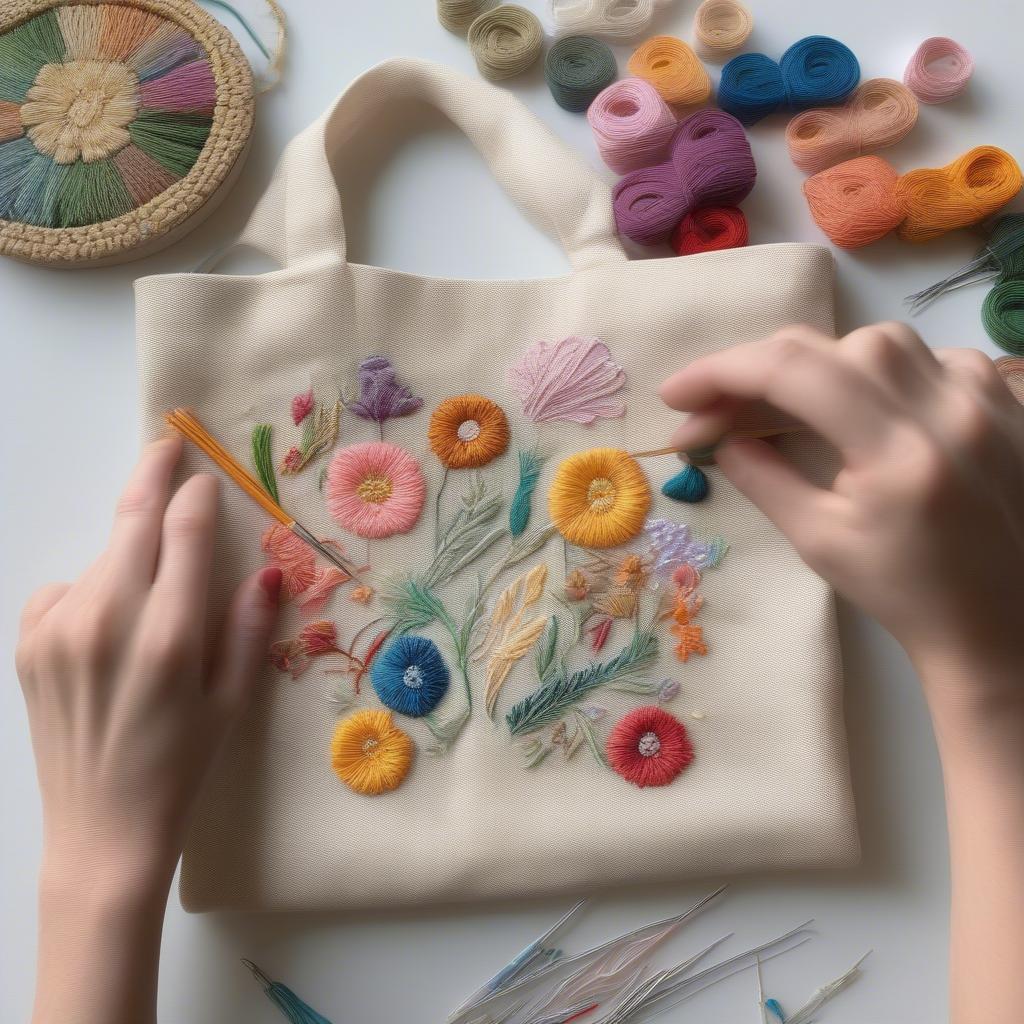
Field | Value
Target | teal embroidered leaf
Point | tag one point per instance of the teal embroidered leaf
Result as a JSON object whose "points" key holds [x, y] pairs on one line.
{"points": [[555, 697], [522, 501], [263, 460]]}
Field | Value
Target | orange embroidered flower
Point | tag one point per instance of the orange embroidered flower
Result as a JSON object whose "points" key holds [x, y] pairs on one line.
{"points": [[690, 637], [599, 498], [633, 573], [577, 585], [369, 753], [468, 431]]}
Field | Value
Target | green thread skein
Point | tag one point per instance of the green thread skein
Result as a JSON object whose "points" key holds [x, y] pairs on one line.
{"points": [[1002, 314], [577, 68]]}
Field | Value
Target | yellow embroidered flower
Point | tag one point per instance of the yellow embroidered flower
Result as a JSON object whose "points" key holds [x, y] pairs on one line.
{"points": [[599, 498], [468, 431], [369, 753]]}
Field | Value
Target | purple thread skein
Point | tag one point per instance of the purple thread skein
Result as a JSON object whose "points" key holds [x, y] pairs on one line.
{"points": [[710, 165]]}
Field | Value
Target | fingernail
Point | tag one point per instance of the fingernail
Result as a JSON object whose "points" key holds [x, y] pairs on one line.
{"points": [[270, 580]]}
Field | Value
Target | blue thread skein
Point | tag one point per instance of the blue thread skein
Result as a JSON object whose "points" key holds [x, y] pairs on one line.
{"points": [[814, 72]]}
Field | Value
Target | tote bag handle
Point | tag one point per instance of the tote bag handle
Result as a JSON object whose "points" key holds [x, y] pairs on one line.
{"points": [[299, 218]]}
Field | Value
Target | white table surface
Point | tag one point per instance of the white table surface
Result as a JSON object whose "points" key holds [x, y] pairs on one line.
{"points": [[424, 203]]}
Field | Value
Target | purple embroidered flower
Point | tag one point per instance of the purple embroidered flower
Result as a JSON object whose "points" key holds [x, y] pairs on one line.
{"points": [[381, 397], [669, 690], [672, 544]]}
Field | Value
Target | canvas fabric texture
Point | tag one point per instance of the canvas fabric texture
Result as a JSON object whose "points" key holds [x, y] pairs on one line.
{"points": [[276, 829]]}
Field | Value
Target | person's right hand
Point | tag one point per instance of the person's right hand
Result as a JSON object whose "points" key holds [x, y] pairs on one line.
{"points": [[924, 525]]}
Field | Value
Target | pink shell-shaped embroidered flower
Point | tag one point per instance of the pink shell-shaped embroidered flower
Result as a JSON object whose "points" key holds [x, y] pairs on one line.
{"points": [[574, 380], [375, 489]]}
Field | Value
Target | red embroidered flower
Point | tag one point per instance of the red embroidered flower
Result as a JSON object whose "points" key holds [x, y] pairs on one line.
{"points": [[649, 747]]}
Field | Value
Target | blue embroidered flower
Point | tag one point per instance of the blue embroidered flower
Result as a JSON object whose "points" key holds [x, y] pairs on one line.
{"points": [[410, 677]]}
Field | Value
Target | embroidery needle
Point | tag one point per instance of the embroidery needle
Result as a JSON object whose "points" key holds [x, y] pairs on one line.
{"points": [[188, 426], [755, 434]]}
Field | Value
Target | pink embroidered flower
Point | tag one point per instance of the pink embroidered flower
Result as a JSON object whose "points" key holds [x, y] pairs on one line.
{"points": [[302, 406], [294, 656], [292, 461], [573, 380], [301, 578], [375, 489]]}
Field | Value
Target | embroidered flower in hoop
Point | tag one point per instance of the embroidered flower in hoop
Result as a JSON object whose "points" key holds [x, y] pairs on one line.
{"points": [[599, 498], [649, 747], [375, 489], [369, 753], [381, 397], [573, 380], [468, 431], [410, 677]]}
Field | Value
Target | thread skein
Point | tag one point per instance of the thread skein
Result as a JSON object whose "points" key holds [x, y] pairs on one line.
{"points": [[458, 15], [632, 125], [1002, 314], [673, 69], [880, 113], [577, 68], [720, 28], [710, 164], [505, 41], [939, 70], [860, 201], [710, 228], [614, 20], [814, 72]]}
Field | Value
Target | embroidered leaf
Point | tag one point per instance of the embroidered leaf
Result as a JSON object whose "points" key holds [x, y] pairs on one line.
{"points": [[263, 460], [547, 649], [319, 434], [635, 686], [587, 731], [534, 752], [445, 733], [520, 549], [468, 536], [514, 646], [549, 702], [522, 500]]}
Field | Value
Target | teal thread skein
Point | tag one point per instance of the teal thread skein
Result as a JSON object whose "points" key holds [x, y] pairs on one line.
{"points": [[689, 485], [577, 68]]}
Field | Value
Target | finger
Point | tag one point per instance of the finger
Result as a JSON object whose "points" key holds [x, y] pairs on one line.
{"points": [[39, 604], [894, 356], [971, 368], [135, 538], [774, 485], [180, 590], [244, 640], [799, 372]]}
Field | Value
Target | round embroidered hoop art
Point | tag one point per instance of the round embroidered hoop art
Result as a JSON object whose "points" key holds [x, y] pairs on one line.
{"points": [[121, 126]]}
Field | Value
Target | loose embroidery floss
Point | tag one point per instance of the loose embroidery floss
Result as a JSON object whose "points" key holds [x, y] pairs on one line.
{"points": [[880, 113], [862, 200], [711, 165], [369, 753], [119, 124], [673, 69], [649, 747], [286, 1000], [939, 70], [632, 125], [505, 41], [817, 71], [720, 28], [708, 229], [576, 69]]}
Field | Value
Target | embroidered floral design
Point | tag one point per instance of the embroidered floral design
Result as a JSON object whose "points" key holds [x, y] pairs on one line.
{"points": [[314, 640], [370, 754], [319, 435], [673, 544], [381, 397], [668, 691], [690, 636], [375, 489], [410, 676], [522, 500], [599, 498], [649, 747], [577, 585], [362, 594], [468, 431], [302, 406], [573, 380], [302, 579]]}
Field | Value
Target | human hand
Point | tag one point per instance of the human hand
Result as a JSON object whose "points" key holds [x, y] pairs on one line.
{"points": [[129, 690], [922, 527]]}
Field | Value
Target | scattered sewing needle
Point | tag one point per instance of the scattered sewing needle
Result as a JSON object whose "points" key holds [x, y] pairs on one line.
{"points": [[285, 999], [827, 991]]}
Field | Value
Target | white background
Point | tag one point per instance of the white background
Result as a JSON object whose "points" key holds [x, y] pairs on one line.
{"points": [[421, 201]]}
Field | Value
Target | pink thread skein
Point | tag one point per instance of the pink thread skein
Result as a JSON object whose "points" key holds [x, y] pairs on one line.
{"points": [[939, 70], [710, 164], [632, 125]]}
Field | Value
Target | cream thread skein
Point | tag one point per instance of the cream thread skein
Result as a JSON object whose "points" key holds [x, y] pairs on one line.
{"points": [[616, 20], [505, 41], [939, 70], [632, 125], [458, 15], [880, 113], [720, 28]]}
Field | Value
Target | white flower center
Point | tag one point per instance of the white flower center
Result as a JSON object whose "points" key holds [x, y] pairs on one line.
{"points": [[413, 677], [649, 744], [469, 430], [370, 745]]}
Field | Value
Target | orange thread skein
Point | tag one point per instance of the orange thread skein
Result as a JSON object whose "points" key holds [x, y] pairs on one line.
{"points": [[862, 200], [673, 69]]}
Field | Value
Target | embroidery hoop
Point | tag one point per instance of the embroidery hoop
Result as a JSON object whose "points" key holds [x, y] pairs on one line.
{"points": [[189, 200]]}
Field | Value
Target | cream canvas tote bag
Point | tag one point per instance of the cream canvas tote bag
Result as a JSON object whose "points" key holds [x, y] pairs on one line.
{"points": [[566, 679]]}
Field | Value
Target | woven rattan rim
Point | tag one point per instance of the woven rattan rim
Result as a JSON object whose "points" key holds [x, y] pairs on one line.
{"points": [[144, 226]]}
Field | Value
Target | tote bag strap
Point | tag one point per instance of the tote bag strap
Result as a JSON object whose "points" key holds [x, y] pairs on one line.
{"points": [[299, 218]]}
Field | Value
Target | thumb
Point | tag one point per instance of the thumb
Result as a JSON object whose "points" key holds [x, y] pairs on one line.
{"points": [[245, 638]]}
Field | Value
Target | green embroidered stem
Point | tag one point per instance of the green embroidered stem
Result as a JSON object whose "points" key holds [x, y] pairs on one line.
{"points": [[519, 510], [263, 460], [587, 731], [546, 649], [550, 701]]}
